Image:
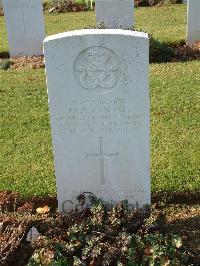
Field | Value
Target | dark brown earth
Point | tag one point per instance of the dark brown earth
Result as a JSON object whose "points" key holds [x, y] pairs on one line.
{"points": [[177, 215], [27, 62], [187, 52]]}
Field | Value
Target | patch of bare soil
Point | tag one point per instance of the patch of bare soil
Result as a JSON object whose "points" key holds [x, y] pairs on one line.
{"points": [[185, 221], [19, 215], [13, 202], [27, 62], [19, 63], [187, 52]]}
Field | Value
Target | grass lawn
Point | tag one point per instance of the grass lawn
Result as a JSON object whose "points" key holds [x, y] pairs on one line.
{"points": [[166, 23], [26, 153], [175, 126]]}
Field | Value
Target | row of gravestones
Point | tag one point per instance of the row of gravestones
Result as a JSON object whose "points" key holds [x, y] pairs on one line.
{"points": [[98, 91], [25, 22]]}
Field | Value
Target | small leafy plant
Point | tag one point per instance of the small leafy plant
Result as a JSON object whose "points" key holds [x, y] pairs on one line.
{"points": [[102, 236], [67, 6], [5, 64]]}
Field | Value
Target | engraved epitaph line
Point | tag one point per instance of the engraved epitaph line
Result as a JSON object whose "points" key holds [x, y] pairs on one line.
{"points": [[102, 157]]}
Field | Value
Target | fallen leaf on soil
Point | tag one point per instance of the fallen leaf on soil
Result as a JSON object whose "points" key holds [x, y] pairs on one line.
{"points": [[165, 261], [178, 242], [27, 207], [43, 210]]}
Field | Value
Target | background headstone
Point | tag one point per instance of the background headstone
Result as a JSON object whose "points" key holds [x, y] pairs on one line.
{"points": [[193, 21], [115, 14], [1, 4], [25, 26], [98, 93]]}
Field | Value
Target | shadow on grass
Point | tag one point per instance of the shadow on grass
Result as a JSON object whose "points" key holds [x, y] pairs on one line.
{"points": [[4, 55], [161, 52], [170, 197]]}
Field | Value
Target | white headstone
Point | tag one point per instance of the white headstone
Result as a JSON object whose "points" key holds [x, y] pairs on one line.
{"points": [[193, 21], [115, 14], [98, 93], [25, 26]]}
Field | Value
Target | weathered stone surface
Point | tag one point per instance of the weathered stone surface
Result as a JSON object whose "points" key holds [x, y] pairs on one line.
{"points": [[25, 26], [115, 14], [193, 21], [98, 93]]}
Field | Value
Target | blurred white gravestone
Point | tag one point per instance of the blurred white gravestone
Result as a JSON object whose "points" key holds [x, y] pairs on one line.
{"points": [[115, 14], [99, 106], [193, 21], [25, 26]]}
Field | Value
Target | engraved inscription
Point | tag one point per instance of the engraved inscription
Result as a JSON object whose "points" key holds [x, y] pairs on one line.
{"points": [[100, 116], [101, 192], [81, 197], [97, 69], [102, 155]]}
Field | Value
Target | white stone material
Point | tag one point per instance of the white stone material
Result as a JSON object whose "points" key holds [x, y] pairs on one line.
{"points": [[193, 21], [115, 14], [32, 235], [98, 89], [25, 26]]}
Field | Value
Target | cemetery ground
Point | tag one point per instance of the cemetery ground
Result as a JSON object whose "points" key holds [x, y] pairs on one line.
{"points": [[26, 149], [167, 24]]}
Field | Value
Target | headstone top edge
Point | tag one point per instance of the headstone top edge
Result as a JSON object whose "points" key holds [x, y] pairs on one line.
{"points": [[85, 32]]}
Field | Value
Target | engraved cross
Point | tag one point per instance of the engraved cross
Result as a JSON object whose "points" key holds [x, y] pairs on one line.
{"points": [[102, 157], [24, 19]]}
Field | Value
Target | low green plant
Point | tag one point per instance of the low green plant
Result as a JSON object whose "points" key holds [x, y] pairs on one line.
{"points": [[116, 236], [5, 64], [154, 249], [63, 6]]}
